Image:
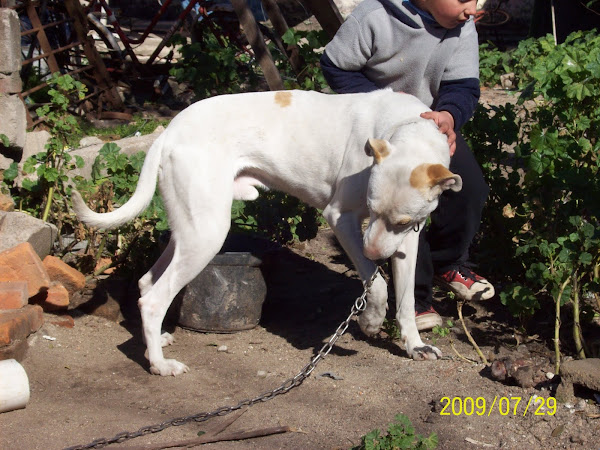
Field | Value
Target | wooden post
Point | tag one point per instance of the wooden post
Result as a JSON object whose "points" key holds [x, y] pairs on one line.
{"points": [[258, 45], [327, 14], [281, 26], [101, 74]]}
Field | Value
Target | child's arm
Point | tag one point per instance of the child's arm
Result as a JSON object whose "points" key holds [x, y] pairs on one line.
{"points": [[345, 81]]}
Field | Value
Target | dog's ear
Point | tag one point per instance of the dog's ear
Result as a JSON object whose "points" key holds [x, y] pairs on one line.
{"points": [[442, 177], [433, 179], [378, 149]]}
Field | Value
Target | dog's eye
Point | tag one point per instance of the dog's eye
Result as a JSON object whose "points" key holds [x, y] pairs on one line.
{"points": [[403, 220]]}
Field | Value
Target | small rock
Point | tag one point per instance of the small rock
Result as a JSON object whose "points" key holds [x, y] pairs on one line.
{"points": [[549, 375], [222, 348], [261, 374]]}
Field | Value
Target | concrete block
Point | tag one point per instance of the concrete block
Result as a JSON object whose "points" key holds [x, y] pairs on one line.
{"points": [[14, 119], [23, 260], [17, 227], [10, 41]]}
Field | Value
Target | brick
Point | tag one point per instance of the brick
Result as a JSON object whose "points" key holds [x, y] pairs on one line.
{"points": [[64, 321], [17, 350], [56, 299], [13, 294], [8, 274], [17, 324], [59, 271], [24, 260]]}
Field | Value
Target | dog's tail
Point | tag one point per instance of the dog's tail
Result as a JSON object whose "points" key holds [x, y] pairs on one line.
{"points": [[136, 204]]}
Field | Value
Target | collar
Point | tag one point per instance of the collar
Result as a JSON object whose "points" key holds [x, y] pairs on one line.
{"points": [[424, 14]]}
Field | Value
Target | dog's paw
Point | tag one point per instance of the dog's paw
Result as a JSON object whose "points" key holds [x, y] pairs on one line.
{"points": [[425, 352], [166, 339], [369, 325], [168, 367]]}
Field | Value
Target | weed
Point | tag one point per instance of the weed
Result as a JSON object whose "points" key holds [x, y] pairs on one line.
{"points": [[400, 435]]}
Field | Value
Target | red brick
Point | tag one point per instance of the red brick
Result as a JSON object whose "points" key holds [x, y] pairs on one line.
{"points": [[24, 260], [17, 324], [70, 278], [13, 294], [64, 321], [57, 298]]}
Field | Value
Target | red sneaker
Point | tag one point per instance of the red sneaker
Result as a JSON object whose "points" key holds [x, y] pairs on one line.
{"points": [[426, 320], [466, 284]]}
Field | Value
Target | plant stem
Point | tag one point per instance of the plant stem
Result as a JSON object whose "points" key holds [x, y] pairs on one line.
{"points": [[48, 203], [577, 335], [557, 326], [459, 306]]}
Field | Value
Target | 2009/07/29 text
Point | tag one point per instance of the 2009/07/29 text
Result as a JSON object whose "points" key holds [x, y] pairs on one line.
{"points": [[506, 406]]}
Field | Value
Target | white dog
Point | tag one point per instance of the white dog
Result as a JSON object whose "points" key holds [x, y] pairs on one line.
{"points": [[352, 155]]}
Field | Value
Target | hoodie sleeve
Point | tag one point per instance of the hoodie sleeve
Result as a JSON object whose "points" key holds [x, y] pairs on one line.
{"points": [[344, 58], [459, 89]]}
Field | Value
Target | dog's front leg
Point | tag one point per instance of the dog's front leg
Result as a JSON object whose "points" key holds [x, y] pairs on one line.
{"points": [[403, 269], [346, 227]]}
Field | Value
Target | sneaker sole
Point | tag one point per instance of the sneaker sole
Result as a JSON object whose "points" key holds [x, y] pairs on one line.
{"points": [[428, 321], [467, 294]]}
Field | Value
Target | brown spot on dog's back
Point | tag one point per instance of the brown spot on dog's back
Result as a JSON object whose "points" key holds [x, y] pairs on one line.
{"points": [[283, 98]]}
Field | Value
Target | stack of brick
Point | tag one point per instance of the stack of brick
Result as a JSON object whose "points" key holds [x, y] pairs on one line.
{"points": [[28, 288]]}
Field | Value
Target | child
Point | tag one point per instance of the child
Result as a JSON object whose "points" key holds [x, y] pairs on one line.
{"points": [[427, 48]]}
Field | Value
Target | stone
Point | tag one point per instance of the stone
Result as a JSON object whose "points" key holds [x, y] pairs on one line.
{"points": [[7, 204], [129, 146], [17, 228], [10, 84], [580, 372], [90, 140], [10, 42], [13, 294], [35, 142], [14, 118], [17, 324], [72, 279], [26, 263], [64, 321]]}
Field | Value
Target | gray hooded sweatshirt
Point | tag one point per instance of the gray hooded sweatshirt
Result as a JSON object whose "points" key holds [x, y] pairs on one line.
{"points": [[391, 43]]}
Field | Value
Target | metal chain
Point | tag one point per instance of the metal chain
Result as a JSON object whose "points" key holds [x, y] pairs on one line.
{"points": [[359, 305]]}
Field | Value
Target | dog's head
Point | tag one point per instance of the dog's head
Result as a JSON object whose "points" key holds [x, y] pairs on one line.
{"points": [[403, 190]]}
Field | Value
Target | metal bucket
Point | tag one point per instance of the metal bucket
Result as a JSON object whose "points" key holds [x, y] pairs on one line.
{"points": [[226, 297]]}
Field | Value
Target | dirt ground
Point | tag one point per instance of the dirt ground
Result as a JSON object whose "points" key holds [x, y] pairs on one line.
{"points": [[92, 381]]}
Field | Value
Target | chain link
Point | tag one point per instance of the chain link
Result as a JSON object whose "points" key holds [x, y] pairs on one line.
{"points": [[359, 305]]}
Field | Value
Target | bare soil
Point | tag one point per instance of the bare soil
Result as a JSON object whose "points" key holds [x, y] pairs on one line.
{"points": [[92, 381]]}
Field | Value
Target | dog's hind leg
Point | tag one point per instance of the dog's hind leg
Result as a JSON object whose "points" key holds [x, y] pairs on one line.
{"points": [[199, 225], [346, 227]]}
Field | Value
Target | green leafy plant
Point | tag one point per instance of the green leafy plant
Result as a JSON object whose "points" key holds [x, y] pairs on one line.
{"points": [[443, 330], [277, 216], [400, 435], [546, 195], [214, 66], [113, 180], [52, 166], [310, 45]]}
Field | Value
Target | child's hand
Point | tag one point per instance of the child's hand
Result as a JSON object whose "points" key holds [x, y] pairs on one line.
{"points": [[445, 122]]}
